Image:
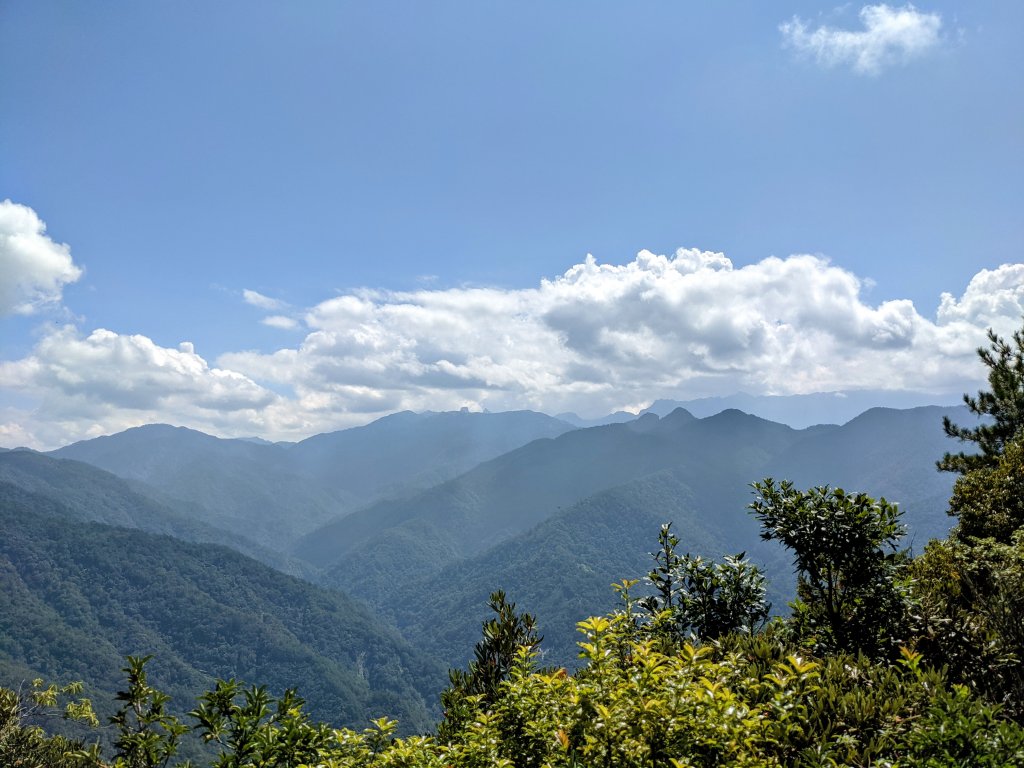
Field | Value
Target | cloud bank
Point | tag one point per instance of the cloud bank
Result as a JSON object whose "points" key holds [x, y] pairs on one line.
{"points": [[597, 338], [105, 382], [33, 268], [889, 36]]}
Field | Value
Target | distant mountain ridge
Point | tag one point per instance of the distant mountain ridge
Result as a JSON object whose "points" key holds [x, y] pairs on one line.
{"points": [[433, 513], [397, 554], [274, 493], [797, 411], [802, 411]]}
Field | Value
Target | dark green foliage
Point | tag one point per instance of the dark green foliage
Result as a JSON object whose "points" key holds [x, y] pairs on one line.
{"points": [[250, 728], [1002, 405], [850, 595], [701, 598], [970, 603], [988, 501], [970, 590], [495, 655], [148, 735]]}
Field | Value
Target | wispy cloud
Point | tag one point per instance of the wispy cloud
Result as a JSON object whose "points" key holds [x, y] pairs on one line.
{"points": [[281, 321], [33, 268], [263, 302], [889, 36]]}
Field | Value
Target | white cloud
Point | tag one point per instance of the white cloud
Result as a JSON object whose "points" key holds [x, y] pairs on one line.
{"points": [[603, 335], [594, 339], [263, 302], [33, 268], [889, 36], [106, 381], [993, 298], [281, 321]]}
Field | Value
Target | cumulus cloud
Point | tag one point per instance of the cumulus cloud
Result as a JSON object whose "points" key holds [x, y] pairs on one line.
{"points": [[601, 336], [106, 381], [994, 297], [889, 36], [33, 268], [595, 339]]}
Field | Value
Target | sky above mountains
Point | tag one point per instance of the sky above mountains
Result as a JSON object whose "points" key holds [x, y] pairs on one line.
{"points": [[279, 219]]}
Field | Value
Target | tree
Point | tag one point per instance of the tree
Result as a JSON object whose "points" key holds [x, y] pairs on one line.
{"points": [[23, 742], [988, 501], [495, 655], [845, 549], [1004, 404], [701, 597], [252, 728], [969, 600], [148, 735]]}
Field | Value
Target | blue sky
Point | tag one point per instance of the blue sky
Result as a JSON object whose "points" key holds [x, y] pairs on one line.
{"points": [[282, 218]]}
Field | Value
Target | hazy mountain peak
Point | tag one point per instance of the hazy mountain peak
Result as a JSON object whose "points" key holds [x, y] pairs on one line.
{"points": [[678, 416]]}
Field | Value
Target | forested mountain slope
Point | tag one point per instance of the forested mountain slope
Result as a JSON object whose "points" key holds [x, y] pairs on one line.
{"points": [[886, 452], [514, 492], [91, 494], [248, 488], [273, 493], [596, 497], [560, 570], [76, 597]]}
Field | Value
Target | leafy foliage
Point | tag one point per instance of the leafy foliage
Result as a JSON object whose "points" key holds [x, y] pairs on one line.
{"points": [[148, 735], [495, 656], [251, 728], [23, 741], [1003, 404], [988, 501], [702, 598], [850, 596], [970, 601]]}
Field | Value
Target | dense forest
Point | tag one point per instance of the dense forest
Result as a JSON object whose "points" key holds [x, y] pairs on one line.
{"points": [[886, 657]]}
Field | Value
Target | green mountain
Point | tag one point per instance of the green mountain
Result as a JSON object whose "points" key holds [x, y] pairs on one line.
{"points": [[886, 452], [273, 493], [248, 488], [561, 570], [569, 516], [91, 494], [75, 597], [715, 457]]}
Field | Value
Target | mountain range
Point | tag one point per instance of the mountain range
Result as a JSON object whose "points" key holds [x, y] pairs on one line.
{"points": [[410, 522]]}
